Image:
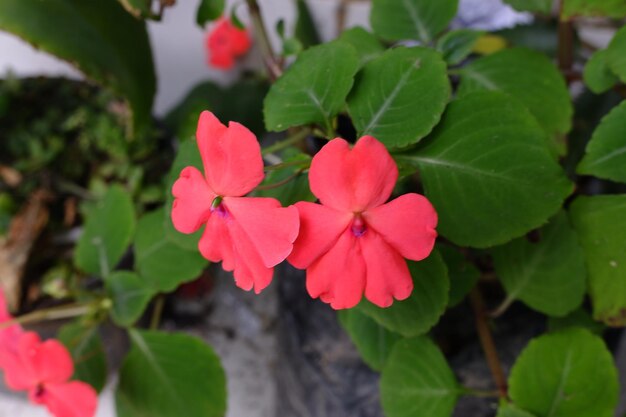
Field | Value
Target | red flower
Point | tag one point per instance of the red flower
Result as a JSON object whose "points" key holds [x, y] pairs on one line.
{"points": [[226, 42], [44, 369], [8, 335], [353, 242], [249, 235]]}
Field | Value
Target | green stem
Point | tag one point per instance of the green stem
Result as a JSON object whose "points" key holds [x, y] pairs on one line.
{"points": [[278, 146], [49, 314], [280, 183], [157, 312], [273, 67], [303, 164], [479, 393], [503, 307]]}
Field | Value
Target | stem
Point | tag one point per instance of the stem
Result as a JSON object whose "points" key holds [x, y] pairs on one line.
{"points": [[487, 343], [299, 136], [49, 314], [503, 307], [480, 393], [566, 45], [157, 312], [273, 67], [279, 183], [303, 164]]}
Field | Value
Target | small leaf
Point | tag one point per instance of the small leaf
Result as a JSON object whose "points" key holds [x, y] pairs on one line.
{"points": [[85, 345], [421, 311], [606, 152], [509, 410], [167, 375], [577, 318], [163, 265], [366, 45], [309, 91], [209, 10], [400, 96], [108, 231], [549, 275], [601, 227], [417, 381], [528, 76], [601, 8], [456, 45], [373, 341], [565, 374], [597, 74], [537, 6], [422, 20], [306, 29], [616, 53], [487, 170], [130, 296], [462, 273]]}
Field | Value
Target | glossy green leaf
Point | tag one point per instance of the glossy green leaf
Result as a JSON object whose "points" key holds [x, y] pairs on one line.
{"points": [[108, 231], [601, 227], [601, 8], [99, 37], [209, 10], [488, 172], [509, 410], [366, 44], [538, 6], [400, 96], [85, 345], [313, 89], [565, 374], [162, 264], [422, 20], [421, 311], [597, 74], [130, 296], [462, 273], [616, 53], [548, 275], [577, 318], [456, 45], [606, 152], [373, 341], [417, 381], [167, 375], [528, 76]]}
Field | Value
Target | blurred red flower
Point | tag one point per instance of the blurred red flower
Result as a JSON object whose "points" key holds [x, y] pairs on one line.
{"points": [[225, 42]]}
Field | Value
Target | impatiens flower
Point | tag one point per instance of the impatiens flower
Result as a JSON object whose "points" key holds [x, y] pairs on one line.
{"points": [[9, 336], [225, 43], [44, 370], [354, 243], [249, 235]]}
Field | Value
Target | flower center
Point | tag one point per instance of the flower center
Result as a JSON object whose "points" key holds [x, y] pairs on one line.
{"points": [[218, 208], [39, 393], [358, 226]]}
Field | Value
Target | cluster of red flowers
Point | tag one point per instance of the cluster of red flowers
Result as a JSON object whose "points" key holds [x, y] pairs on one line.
{"points": [[351, 244], [43, 369], [225, 43]]}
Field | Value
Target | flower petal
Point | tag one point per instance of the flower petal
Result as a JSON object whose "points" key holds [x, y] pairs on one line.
{"points": [[192, 205], [271, 229], [388, 275], [250, 271], [231, 155], [407, 224], [338, 277], [72, 399], [216, 244], [320, 227], [353, 179]]}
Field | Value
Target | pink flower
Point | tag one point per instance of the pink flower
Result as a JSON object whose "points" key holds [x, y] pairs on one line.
{"points": [[44, 368], [8, 335], [353, 242], [226, 42], [249, 235]]}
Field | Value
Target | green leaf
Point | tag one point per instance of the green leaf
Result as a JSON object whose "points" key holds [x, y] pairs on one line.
{"points": [[597, 74], [373, 341], [309, 91], [528, 76], [366, 44], [399, 97], [99, 37], [488, 172], [108, 231], [417, 381], [306, 29], [509, 410], [162, 264], [209, 10], [456, 45], [130, 296], [565, 374], [421, 311], [601, 227], [85, 345], [537, 6], [577, 318], [297, 186], [422, 20], [549, 275], [602, 8], [167, 375], [616, 53], [462, 273], [606, 152]]}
